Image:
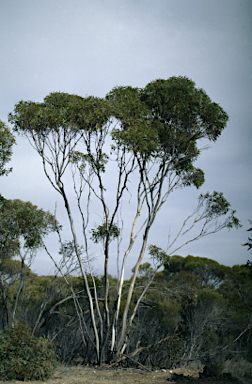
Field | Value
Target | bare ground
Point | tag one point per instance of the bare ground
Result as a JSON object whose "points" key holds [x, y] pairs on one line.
{"points": [[87, 375]]}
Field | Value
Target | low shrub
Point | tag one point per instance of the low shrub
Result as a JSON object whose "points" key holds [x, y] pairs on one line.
{"points": [[24, 356], [240, 368]]}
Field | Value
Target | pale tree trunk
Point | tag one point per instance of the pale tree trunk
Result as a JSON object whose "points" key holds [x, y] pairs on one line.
{"points": [[83, 272], [121, 346], [84, 228], [120, 287], [153, 205]]}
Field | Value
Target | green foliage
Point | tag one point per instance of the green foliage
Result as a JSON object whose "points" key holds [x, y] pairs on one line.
{"points": [[158, 255], [100, 233], [24, 356], [249, 242], [182, 114], [164, 121], [200, 305], [215, 206], [144, 270], [97, 163], [135, 133], [22, 220], [207, 272], [236, 289], [36, 292], [60, 112], [22, 229], [6, 142], [167, 310], [178, 104]]}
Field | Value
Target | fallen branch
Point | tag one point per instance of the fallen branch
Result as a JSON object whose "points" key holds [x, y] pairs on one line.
{"points": [[137, 362]]}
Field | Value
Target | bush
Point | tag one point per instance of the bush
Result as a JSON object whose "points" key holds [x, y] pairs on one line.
{"points": [[240, 368], [24, 356]]}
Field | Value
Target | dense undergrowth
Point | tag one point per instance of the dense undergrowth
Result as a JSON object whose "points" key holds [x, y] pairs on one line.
{"points": [[195, 310]]}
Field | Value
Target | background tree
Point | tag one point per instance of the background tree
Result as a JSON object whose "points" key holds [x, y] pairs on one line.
{"points": [[145, 135], [183, 318], [236, 288], [6, 142], [22, 229]]}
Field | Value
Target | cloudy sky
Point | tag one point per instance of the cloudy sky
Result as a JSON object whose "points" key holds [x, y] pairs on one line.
{"points": [[88, 47]]}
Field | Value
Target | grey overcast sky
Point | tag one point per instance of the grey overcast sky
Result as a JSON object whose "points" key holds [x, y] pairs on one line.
{"points": [[88, 47]]}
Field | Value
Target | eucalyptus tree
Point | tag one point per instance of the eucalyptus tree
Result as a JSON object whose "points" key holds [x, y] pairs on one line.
{"points": [[6, 142], [23, 226], [55, 128], [144, 138]]}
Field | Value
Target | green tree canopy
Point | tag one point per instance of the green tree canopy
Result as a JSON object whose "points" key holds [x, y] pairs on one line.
{"points": [[22, 224], [165, 120], [6, 142]]}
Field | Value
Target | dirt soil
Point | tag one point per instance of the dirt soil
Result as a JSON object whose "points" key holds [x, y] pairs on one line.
{"points": [[87, 375]]}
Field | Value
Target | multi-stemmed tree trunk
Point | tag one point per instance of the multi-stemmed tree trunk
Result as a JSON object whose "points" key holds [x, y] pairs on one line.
{"points": [[141, 142]]}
